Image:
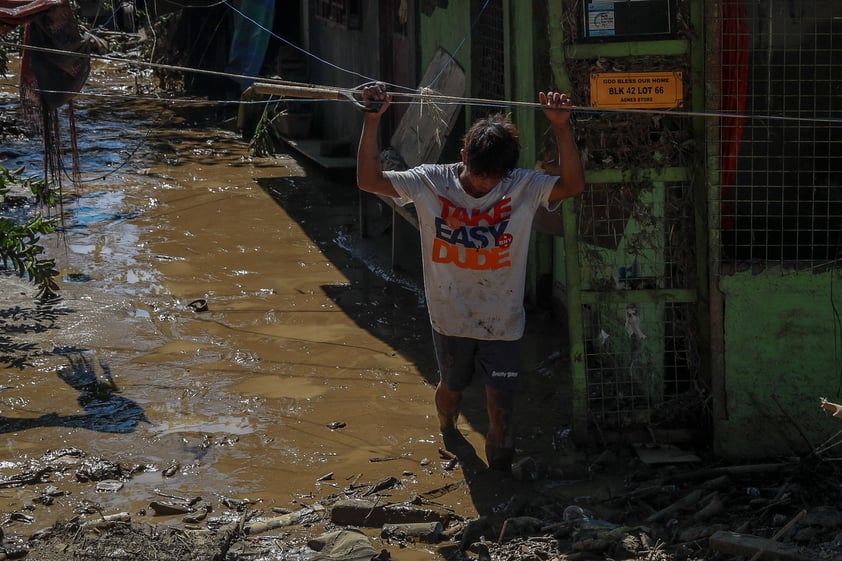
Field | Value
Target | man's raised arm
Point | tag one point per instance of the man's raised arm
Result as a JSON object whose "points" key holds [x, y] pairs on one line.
{"points": [[571, 180], [369, 171]]}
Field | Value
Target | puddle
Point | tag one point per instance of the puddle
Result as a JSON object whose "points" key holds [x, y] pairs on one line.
{"points": [[274, 387]]}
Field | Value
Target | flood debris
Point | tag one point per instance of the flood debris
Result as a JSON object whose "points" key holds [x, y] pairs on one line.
{"points": [[428, 532], [28, 477], [86, 468], [326, 477], [366, 513], [732, 543], [663, 512], [169, 508], [106, 521], [171, 469], [288, 519], [343, 545], [382, 485], [389, 458], [109, 486], [198, 305], [128, 540]]}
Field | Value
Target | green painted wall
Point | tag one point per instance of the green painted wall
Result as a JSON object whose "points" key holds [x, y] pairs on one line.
{"points": [[446, 28], [521, 76], [781, 358], [527, 48]]}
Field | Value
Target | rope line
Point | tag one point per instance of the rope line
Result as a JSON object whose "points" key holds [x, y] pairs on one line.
{"points": [[425, 96]]}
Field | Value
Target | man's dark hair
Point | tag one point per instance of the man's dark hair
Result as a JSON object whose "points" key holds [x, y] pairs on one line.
{"points": [[492, 146]]}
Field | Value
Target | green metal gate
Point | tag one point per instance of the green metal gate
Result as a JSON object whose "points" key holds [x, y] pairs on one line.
{"points": [[634, 242]]}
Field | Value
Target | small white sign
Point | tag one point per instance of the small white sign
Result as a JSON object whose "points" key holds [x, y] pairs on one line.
{"points": [[601, 19]]}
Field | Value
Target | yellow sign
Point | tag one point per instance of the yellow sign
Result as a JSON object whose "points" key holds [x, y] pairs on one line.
{"points": [[654, 90]]}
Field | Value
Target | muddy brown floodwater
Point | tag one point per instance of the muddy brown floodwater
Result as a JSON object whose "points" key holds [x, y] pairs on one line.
{"points": [[312, 359]]}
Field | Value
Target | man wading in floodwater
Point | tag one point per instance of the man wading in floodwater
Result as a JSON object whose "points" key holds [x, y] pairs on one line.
{"points": [[475, 218]]}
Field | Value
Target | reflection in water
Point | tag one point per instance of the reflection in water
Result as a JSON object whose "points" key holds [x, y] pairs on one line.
{"points": [[106, 411], [103, 207]]}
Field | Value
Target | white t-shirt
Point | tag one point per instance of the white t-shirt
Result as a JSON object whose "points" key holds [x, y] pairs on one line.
{"points": [[474, 250]]}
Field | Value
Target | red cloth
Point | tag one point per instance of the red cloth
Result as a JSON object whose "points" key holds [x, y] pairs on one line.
{"points": [[18, 12], [54, 66], [50, 77], [56, 76], [733, 86]]}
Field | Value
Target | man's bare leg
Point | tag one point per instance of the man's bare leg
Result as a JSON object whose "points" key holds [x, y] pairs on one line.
{"points": [[499, 442], [447, 407]]}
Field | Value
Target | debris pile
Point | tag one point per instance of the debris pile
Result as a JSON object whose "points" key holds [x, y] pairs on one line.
{"points": [[671, 511]]}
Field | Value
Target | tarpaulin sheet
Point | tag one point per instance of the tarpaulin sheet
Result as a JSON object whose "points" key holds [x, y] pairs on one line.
{"points": [[18, 12]]}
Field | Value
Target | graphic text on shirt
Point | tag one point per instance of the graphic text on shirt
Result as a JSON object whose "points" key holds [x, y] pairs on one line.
{"points": [[473, 239]]}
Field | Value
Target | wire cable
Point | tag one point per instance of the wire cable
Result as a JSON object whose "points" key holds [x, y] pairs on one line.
{"points": [[427, 96]]}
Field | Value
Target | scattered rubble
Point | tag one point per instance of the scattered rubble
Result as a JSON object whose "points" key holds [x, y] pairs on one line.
{"points": [[674, 511]]}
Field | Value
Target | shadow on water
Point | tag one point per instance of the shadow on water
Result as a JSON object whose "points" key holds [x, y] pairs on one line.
{"points": [[393, 309], [105, 410], [19, 320]]}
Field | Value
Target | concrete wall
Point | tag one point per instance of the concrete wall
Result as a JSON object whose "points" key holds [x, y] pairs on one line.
{"points": [[781, 352], [355, 58]]}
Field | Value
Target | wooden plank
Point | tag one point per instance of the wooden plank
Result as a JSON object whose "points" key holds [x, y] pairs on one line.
{"points": [[746, 545], [663, 454], [297, 90]]}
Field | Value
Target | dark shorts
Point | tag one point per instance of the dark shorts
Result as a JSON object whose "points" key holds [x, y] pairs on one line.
{"points": [[459, 358]]}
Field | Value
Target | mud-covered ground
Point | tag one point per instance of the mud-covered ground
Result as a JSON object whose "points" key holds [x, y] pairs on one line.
{"points": [[633, 510], [233, 372]]}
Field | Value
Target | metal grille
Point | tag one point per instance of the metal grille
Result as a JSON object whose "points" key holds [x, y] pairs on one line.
{"points": [[488, 55], [641, 358], [642, 367], [781, 168], [637, 236], [637, 249]]}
